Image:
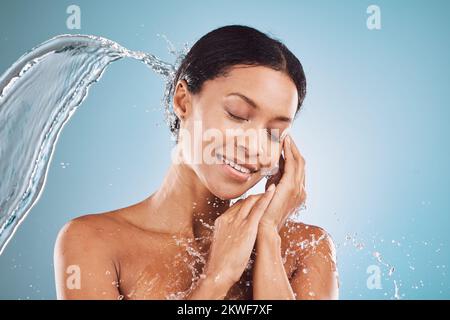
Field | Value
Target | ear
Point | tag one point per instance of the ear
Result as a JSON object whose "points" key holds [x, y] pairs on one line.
{"points": [[182, 100]]}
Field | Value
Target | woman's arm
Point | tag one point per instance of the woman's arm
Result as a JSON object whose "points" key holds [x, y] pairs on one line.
{"points": [[316, 276], [209, 288], [83, 265], [270, 281]]}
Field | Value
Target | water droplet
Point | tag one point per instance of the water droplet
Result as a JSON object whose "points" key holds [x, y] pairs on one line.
{"points": [[391, 271], [396, 291]]}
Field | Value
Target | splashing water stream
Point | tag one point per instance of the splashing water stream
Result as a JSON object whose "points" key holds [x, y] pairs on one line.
{"points": [[38, 95]]}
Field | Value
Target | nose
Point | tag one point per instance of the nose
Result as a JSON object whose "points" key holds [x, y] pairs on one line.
{"points": [[255, 150]]}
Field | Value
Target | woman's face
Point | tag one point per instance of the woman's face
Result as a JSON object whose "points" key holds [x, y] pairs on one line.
{"points": [[239, 118]]}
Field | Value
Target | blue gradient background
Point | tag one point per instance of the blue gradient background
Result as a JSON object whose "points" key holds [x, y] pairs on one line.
{"points": [[374, 129]]}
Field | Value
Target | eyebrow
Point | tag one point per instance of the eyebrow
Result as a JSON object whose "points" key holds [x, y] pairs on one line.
{"points": [[255, 106]]}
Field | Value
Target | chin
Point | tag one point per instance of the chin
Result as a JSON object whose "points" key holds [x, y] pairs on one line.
{"points": [[225, 192], [223, 186]]}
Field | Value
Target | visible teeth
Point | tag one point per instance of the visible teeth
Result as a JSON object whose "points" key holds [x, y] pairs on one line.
{"points": [[234, 165]]}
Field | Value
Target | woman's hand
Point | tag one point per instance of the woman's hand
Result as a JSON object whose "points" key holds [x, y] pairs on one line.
{"points": [[234, 238], [290, 191]]}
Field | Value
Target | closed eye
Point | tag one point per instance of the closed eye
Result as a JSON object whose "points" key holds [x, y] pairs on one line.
{"points": [[272, 137], [234, 117]]}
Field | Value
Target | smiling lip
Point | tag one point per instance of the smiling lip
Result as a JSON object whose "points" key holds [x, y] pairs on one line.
{"points": [[239, 173]]}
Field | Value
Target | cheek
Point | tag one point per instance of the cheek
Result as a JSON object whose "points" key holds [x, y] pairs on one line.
{"points": [[213, 138], [270, 153]]}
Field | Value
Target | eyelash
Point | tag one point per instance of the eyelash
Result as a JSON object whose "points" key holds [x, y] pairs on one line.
{"points": [[236, 117], [273, 138]]}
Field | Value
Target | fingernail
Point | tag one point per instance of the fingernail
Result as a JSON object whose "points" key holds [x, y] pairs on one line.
{"points": [[271, 187]]}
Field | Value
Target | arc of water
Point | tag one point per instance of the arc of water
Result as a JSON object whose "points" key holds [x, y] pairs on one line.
{"points": [[38, 94]]}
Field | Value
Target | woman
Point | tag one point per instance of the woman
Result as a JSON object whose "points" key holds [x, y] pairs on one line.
{"points": [[186, 240]]}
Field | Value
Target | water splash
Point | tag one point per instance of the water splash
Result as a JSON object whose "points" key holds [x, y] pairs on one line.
{"points": [[38, 95], [396, 291], [389, 269], [195, 266]]}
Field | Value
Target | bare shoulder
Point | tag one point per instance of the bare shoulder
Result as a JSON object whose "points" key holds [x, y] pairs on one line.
{"points": [[85, 258], [308, 238], [315, 275], [87, 233], [86, 226]]}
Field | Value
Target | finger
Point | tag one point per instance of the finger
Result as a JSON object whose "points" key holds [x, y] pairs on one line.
{"points": [[304, 180], [302, 172], [303, 189], [296, 153], [233, 209], [247, 205], [290, 171], [299, 163], [275, 178], [261, 205]]}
